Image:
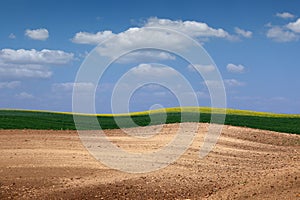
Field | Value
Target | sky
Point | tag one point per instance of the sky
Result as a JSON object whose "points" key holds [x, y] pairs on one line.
{"points": [[254, 45]]}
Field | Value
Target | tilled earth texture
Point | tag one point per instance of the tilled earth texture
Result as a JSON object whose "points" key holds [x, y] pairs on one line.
{"points": [[244, 164]]}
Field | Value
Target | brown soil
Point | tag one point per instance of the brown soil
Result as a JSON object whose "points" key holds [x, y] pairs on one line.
{"points": [[245, 164]]}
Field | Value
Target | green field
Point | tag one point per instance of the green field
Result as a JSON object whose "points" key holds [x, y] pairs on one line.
{"points": [[30, 119]]}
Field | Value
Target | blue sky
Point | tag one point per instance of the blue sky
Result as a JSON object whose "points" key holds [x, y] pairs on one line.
{"points": [[254, 44]]}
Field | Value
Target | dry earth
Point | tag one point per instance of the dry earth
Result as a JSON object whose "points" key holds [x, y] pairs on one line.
{"points": [[245, 164]]}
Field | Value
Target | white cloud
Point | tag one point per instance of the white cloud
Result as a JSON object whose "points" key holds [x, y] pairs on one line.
{"points": [[235, 68], [159, 76], [137, 37], [244, 33], [9, 85], [12, 36], [280, 34], [37, 34], [45, 56], [285, 15], [191, 28], [201, 68], [9, 71], [91, 38], [23, 63], [143, 36], [68, 87], [24, 95], [294, 26], [286, 33], [143, 70], [233, 82], [145, 56]]}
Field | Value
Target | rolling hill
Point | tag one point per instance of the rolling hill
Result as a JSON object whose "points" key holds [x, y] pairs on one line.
{"points": [[35, 119]]}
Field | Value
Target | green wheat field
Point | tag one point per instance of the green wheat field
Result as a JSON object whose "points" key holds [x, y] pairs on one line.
{"points": [[35, 119]]}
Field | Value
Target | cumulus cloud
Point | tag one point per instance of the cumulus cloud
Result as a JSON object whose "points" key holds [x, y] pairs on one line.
{"points": [[235, 68], [13, 71], [201, 68], [32, 63], [9, 85], [286, 33], [280, 34], [91, 38], [136, 37], [243, 33], [285, 15], [24, 95], [191, 28], [45, 56], [294, 26], [143, 70], [156, 74], [143, 36], [37, 34], [145, 56]]}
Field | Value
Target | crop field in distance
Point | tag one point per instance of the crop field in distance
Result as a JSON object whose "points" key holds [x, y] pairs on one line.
{"points": [[35, 119]]}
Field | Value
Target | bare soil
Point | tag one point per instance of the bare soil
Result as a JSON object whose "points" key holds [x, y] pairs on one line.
{"points": [[245, 164]]}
